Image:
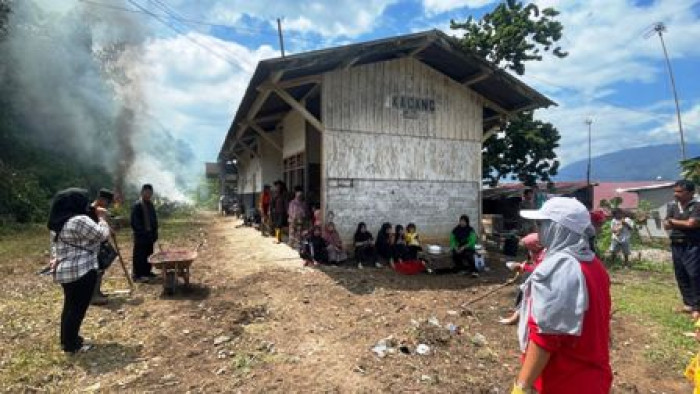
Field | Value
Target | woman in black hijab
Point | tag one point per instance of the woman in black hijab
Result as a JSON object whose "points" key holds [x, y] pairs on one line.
{"points": [[463, 243], [76, 243], [364, 246], [384, 245]]}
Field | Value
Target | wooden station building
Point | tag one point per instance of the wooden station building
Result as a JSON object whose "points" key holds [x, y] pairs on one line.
{"points": [[382, 131]]}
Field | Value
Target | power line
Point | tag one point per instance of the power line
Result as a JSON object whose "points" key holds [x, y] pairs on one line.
{"points": [[180, 19], [174, 15], [206, 48], [189, 21]]}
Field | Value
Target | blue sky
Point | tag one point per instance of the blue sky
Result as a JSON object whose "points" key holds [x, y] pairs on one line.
{"points": [[194, 78]]}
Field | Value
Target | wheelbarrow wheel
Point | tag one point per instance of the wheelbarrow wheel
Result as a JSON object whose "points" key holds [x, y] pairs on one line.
{"points": [[170, 282]]}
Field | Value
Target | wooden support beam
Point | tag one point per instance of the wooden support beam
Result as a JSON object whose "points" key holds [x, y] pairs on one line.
{"points": [[262, 96], [255, 107], [291, 83], [478, 77], [490, 104], [493, 130], [249, 148], [297, 106], [311, 93], [349, 63], [265, 136], [271, 118], [421, 48]]}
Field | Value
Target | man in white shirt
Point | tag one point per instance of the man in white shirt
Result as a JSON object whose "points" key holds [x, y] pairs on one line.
{"points": [[621, 228]]}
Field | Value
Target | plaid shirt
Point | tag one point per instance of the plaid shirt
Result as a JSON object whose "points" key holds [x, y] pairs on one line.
{"points": [[77, 246]]}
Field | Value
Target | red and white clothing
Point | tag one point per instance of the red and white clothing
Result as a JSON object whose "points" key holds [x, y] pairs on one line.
{"points": [[580, 363]]}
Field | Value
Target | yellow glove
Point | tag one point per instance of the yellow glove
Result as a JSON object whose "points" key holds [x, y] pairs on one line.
{"points": [[517, 389]]}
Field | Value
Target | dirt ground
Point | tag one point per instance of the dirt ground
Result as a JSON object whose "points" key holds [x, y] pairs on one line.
{"points": [[255, 320]]}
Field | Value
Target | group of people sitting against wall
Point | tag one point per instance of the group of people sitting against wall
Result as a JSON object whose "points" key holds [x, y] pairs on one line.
{"points": [[397, 245]]}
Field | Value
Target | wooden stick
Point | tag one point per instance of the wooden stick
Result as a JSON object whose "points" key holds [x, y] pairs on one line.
{"points": [[492, 291], [121, 260]]}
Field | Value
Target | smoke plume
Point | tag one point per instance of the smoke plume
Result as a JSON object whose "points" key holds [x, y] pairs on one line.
{"points": [[72, 75]]}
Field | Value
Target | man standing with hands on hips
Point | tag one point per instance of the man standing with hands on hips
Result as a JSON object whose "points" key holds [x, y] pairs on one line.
{"points": [[564, 329], [144, 224], [683, 223]]}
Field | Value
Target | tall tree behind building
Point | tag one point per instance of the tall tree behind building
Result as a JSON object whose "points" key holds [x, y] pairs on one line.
{"points": [[510, 36]]}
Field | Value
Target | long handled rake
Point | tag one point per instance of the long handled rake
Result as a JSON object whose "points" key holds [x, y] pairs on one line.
{"points": [[126, 271]]}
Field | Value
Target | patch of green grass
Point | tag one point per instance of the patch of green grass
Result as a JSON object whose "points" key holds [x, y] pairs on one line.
{"points": [[29, 365], [652, 302], [643, 266], [29, 240]]}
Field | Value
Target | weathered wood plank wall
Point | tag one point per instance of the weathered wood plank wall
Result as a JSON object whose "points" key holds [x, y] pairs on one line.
{"points": [[387, 159]]}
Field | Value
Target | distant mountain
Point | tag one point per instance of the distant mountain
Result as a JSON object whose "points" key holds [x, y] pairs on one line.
{"points": [[637, 164]]}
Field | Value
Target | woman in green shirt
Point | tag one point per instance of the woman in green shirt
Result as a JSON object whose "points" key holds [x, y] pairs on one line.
{"points": [[462, 243]]}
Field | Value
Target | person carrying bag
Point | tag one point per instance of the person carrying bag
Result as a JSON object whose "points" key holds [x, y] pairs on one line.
{"points": [[76, 243]]}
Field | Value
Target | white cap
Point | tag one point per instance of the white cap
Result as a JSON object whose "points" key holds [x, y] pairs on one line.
{"points": [[568, 212]]}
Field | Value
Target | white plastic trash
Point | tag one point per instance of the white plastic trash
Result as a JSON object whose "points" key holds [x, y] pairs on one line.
{"points": [[423, 349]]}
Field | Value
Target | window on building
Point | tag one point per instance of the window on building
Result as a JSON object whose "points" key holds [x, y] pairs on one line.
{"points": [[294, 169]]}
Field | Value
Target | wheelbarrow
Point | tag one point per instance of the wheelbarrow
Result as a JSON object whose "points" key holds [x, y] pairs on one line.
{"points": [[174, 263]]}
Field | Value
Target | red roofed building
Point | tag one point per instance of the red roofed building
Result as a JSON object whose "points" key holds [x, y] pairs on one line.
{"points": [[608, 190]]}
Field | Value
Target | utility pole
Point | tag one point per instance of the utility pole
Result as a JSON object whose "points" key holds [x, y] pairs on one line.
{"points": [[660, 29], [279, 32], [589, 122]]}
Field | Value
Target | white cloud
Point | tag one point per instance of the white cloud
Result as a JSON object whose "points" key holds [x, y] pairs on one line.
{"points": [[606, 47], [433, 7], [691, 126], [605, 42], [194, 93], [347, 18], [615, 128]]}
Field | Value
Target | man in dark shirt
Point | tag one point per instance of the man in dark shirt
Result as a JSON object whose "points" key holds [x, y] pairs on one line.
{"points": [[144, 224], [683, 223], [104, 200]]}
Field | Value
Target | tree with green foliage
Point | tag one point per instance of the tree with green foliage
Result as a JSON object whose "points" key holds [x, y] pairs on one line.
{"points": [[510, 36], [524, 151], [691, 169]]}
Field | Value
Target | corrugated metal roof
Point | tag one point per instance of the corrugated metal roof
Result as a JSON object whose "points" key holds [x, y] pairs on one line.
{"points": [[516, 190], [434, 48], [650, 187]]}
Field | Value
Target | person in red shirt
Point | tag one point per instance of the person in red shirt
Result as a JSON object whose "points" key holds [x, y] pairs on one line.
{"points": [[265, 208], [564, 331]]}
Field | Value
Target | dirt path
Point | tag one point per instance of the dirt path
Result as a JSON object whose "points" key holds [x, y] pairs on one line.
{"points": [[255, 320]]}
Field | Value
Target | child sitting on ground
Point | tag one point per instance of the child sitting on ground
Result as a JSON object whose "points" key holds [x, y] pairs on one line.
{"points": [[399, 248], [535, 255], [413, 241], [315, 248]]}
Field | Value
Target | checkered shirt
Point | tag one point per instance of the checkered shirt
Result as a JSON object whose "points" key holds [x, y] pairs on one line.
{"points": [[74, 261]]}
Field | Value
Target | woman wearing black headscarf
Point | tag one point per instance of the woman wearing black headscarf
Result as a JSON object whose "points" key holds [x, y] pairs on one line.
{"points": [[463, 243], [76, 243], [383, 244]]}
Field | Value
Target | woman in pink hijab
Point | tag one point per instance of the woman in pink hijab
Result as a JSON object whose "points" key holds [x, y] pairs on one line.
{"points": [[535, 254], [336, 252]]}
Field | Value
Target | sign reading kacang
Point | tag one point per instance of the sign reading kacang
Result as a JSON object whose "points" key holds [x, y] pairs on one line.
{"points": [[411, 105]]}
